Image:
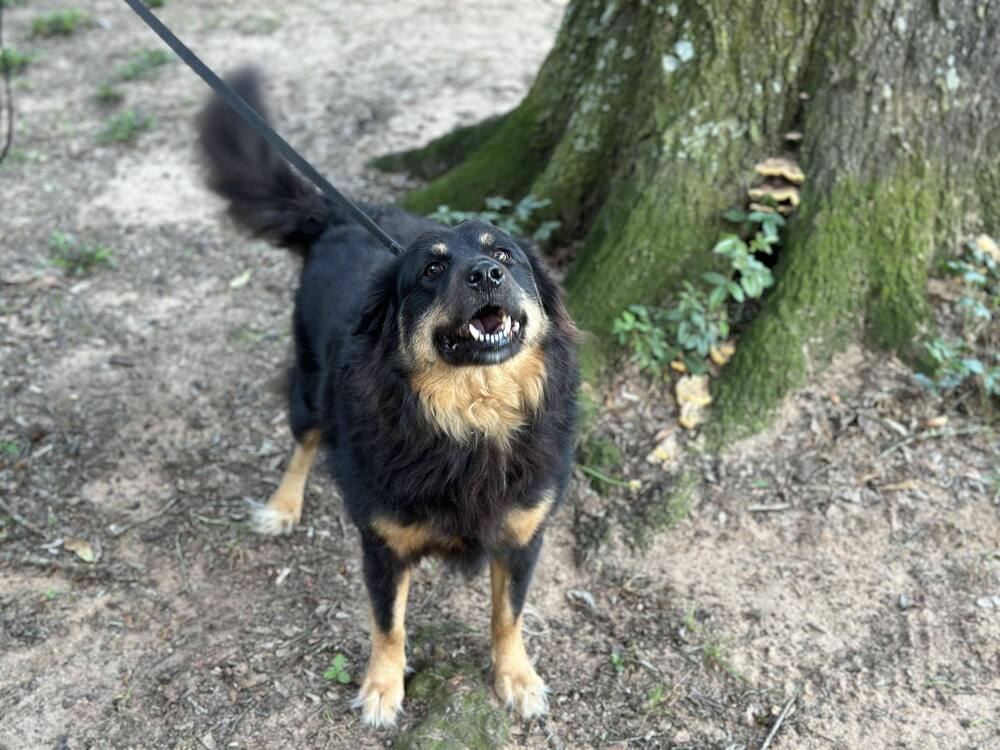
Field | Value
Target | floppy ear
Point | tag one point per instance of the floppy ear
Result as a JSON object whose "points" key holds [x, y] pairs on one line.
{"points": [[552, 299], [377, 309]]}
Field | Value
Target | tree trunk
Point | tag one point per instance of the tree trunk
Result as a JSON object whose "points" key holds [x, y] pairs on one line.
{"points": [[645, 122]]}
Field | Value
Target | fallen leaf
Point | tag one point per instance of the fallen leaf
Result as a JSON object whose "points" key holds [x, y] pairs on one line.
{"points": [[935, 422], [242, 280], [678, 366], [81, 547], [693, 389], [692, 415], [665, 452]]}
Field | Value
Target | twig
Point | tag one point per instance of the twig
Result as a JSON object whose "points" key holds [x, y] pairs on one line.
{"points": [[777, 724], [21, 521], [129, 526], [180, 560], [550, 736], [930, 435], [776, 508]]}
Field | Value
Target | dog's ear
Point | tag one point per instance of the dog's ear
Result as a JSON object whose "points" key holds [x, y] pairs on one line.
{"points": [[378, 308], [551, 294]]}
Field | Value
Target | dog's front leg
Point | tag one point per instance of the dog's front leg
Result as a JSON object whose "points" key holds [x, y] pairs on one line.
{"points": [[388, 582], [516, 682]]}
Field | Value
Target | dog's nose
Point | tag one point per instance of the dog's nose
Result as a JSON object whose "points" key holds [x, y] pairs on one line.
{"points": [[485, 273]]}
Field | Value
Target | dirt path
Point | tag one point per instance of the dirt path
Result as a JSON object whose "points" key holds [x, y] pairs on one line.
{"points": [[141, 407]]}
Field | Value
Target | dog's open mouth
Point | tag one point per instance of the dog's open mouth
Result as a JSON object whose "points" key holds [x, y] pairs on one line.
{"points": [[489, 336]]}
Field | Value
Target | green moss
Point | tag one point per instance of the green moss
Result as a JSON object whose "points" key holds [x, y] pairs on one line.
{"points": [[441, 154], [490, 170], [860, 255], [459, 712], [664, 511]]}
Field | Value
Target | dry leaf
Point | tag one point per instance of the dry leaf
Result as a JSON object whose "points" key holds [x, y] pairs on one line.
{"points": [[986, 244], [81, 547], [692, 415], [693, 389], [678, 366], [665, 452], [935, 422]]}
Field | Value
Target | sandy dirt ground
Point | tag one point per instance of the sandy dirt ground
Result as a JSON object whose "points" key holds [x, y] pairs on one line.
{"points": [[845, 564]]}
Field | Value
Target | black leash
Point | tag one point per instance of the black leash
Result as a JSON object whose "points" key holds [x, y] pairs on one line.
{"points": [[254, 120], [6, 63]]}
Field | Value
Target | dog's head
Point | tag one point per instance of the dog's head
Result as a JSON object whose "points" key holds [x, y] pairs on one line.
{"points": [[466, 296], [468, 310]]}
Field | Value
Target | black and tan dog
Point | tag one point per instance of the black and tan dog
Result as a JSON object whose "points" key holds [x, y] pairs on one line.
{"points": [[442, 384]]}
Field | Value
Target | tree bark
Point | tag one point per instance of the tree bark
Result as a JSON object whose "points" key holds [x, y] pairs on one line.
{"points": [[645, 122]]}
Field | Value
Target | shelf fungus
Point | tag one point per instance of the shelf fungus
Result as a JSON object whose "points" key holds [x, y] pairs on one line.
{"points": [[783, 167]]}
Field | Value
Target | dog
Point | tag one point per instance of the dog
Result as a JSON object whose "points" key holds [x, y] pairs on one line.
{"points": [[441, 385]]}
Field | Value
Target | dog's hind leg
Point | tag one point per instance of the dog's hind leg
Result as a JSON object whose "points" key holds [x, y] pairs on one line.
{"points": [[516, 682], [388, 580], [284, 509]]}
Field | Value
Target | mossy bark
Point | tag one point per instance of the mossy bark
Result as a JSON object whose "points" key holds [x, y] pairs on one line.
{"points": [[647, 118]]}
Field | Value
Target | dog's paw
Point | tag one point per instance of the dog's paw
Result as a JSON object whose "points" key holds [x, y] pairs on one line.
{"points": [[520, 687], [278, 517], [380, 701]]}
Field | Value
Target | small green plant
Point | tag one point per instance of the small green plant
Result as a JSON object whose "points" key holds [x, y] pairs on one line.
{"points": [[14, 60], [512, 218], [10, 448], [60, 22], [972, 356], [154, 3], [124, 127], [75, 258], [108, 95], [699, 320], [617, 662], [144, 64], [51, 594], [337, 671]]}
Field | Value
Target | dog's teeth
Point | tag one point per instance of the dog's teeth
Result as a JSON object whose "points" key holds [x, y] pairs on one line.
{"points": [[516, 326], [476, 333], [506, 325]]}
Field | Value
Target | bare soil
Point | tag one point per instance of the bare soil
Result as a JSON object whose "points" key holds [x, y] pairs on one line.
{"points": [[846, 563]]}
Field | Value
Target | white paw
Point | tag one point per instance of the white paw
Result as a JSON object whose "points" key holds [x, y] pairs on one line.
{"points": [[521, 688], [271, 521], [380, 702]]}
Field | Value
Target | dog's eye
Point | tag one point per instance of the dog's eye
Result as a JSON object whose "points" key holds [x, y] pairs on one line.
{"points": [[433, 269], [501, 255]]}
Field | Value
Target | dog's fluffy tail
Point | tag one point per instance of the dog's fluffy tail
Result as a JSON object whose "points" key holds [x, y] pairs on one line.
{"points": [[266, 196]]}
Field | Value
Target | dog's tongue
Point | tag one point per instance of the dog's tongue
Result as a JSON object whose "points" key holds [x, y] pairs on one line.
{"points": [[488, 322]]}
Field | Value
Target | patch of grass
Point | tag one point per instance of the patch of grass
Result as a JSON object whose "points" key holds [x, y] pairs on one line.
{"points": [[124, 127], [154, 3], [75, 258], [9, 448], [714, 655], [14, 60], [12, 3], [144, 64], [599, 456], [60, 22], [249, 336], [337, 671], [108, 95], [258, 25]]}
